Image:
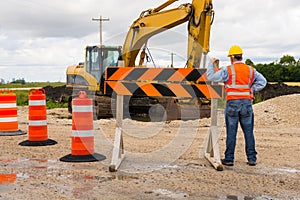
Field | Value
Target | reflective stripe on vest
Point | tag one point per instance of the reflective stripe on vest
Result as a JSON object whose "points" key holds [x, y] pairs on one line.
{"points": [[238, 93], [238, 90]]}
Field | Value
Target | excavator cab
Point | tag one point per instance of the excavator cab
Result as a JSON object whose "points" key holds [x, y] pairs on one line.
{"points": [[99, 58], [90, 74]]}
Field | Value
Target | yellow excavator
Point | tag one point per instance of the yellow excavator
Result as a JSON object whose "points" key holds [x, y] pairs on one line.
{"points": [[89, 76]]}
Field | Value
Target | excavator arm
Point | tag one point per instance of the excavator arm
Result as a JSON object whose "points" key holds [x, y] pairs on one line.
{"points": [[199, 32], [154, 21]]}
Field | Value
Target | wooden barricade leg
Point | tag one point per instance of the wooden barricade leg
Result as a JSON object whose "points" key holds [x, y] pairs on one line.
{"points": [[118, 153], [212, 152]]}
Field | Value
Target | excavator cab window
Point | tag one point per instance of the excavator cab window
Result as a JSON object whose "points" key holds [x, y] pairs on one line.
{"points": [[110, 58], [93, 61], [99, 58]]}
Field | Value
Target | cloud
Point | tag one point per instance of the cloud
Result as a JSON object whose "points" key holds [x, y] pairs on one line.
{"points": [[263, 28], [33, 18], [39, 34]]}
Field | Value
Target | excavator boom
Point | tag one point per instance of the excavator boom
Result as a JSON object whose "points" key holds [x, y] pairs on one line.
{"points": [[149, 24], [153, 21]]}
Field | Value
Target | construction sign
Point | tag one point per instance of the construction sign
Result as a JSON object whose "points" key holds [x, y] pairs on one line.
{"points": [[173, 82]]}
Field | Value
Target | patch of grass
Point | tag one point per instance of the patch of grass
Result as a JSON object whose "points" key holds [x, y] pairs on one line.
{"points": [[22, 100], [222, 103], [22, 95], [258, 99], [32, 84], [51, 104]]}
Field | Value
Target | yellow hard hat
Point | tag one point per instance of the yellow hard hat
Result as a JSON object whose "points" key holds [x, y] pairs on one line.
{"points": [[235, 50]]}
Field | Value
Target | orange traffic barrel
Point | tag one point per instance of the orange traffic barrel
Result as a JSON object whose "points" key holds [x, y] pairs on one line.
{"points": [[37, 116], [9, 114], [82, 131]]}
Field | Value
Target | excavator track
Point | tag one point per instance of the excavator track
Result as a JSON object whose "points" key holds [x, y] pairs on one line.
{"points": [[103, 107], [150, 108]]}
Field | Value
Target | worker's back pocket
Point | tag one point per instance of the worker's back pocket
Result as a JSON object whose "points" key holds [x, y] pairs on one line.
{"points": [[232, 110], [246, 110]]}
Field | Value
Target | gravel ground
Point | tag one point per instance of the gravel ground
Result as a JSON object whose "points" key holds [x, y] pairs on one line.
{"points": [[163, 160]]}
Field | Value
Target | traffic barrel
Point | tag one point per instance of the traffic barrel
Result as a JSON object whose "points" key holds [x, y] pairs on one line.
{"points": [[9, 114], [82, 131], [37, 117], [7, 178]]}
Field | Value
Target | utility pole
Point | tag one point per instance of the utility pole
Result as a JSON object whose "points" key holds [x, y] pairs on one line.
{"points": [[100, 19], [172, 55]]}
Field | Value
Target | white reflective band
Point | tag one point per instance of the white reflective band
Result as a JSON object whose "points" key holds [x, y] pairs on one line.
{"points": [[37, 122], [237, 86], [9, 119], [238, 93], [250, 78], [8, 105], [233, 75], [80, 133], [37, 102], [82, 108]]}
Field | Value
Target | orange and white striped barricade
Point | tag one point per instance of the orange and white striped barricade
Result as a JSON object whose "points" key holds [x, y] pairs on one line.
{"points": [[82, 131], [9, 114], [37, 117], [190, 83]]}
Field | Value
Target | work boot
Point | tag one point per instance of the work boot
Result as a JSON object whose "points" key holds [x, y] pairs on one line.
{"points": [[251, 163], [226, 162]]}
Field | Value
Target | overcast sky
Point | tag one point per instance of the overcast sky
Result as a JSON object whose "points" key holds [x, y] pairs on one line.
{"points": [[39, 39]]}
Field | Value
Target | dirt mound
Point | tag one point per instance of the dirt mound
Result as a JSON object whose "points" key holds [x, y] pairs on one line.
{"points": [[283, 110], [277, 89], [58, 94]]}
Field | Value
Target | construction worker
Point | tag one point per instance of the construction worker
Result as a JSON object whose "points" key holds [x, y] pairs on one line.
{"points": [[241, 81]]}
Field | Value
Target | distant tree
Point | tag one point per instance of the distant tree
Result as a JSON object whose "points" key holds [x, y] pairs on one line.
{"points": [[272, 71], [281, 73], [19, 81], [249, 62], [287, 70], [287, 60], [293, 73]]}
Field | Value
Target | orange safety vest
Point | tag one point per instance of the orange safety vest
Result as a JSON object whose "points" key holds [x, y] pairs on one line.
{"points": [[240, 80]]}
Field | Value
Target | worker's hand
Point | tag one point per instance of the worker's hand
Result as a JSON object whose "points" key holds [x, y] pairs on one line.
{"points": [[215, 61], [252, 95]]}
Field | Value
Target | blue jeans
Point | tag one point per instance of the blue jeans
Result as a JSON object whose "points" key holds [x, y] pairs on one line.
{"points": [[236, 111]]}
